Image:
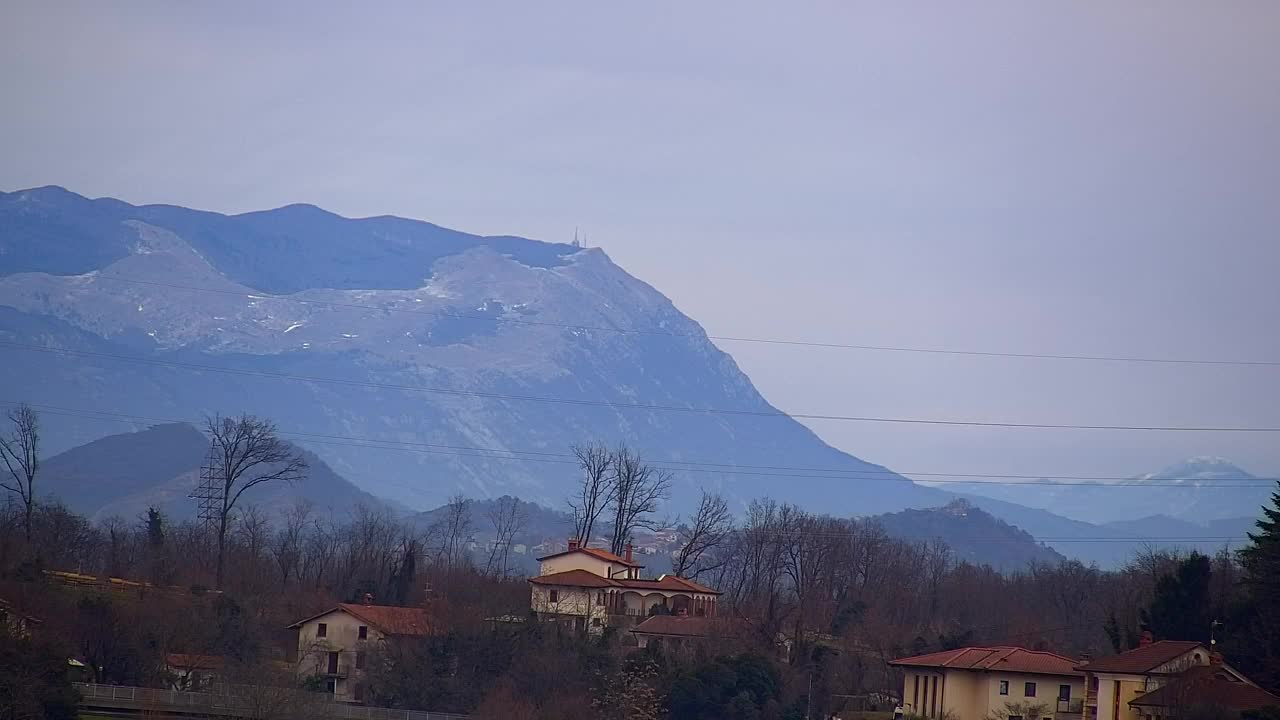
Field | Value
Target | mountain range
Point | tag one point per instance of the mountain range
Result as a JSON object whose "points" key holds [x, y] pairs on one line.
{"points": [[420, 362], [417, 362], [124, 474], [1199, 490]]}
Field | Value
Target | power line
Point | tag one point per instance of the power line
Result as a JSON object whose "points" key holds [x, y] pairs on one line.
{"points": [[628, 405], [1163, 539], [725, 338], [547, 457]]}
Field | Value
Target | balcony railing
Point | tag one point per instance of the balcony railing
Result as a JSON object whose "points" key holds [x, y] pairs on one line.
{"points": [[1074, 706]]}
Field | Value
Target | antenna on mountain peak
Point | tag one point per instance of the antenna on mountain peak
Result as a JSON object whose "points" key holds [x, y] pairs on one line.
{"points": [[576, 242]]}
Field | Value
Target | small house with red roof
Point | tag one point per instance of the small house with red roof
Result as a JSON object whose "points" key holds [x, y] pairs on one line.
{"points": [[193, 673], [976, 683], [1162, 679], [588, 589], [333, 646]]}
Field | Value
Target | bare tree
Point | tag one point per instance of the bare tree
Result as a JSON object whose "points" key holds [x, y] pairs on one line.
{"points": [[638, 490], [21, 454], [320, 548], [119, 546], [247, 453], [454, 531], [508, 519], [712, 525], [286, 546], [253, 528], [596, 490], [937, 558]]}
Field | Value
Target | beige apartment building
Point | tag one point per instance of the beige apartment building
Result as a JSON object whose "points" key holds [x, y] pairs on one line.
{"points": [[978, 683], [1164, 678]]}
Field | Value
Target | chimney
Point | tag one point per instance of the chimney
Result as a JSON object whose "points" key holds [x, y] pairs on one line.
{"points": [[1216, 659], [573, 544], [628, 555], [1146, 639], [367, 599]]}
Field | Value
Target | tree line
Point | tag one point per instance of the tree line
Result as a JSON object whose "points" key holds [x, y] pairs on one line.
{"points": [[818, 604]]}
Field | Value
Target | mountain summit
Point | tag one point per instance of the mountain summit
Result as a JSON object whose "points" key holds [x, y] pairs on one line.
{"points": [[416, 360]]}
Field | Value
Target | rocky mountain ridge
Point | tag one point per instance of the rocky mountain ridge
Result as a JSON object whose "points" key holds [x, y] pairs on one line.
{"points": [[418, 361]]}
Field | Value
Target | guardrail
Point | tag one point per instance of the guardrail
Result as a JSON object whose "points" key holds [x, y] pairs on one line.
{"points": [[126, 697]]}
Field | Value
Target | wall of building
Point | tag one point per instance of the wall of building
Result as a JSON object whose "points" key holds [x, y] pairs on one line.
{"points": [[571, 601], [343, 637], [1047, 687], [976, 695], [965, 695], [918, 699], [581, 561], [1114, 694]]}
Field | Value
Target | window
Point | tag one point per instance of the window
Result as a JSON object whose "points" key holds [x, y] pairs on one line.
{"points": [[1064, 692], [363, 632], [915, 697], [555, 596], [1015, 717], [600, 598], [1029, 690], [331, 686], [322, 630], [358, 692], [333, 663], [595, 622], [1004, 687], [360, 660], [933, 698]]}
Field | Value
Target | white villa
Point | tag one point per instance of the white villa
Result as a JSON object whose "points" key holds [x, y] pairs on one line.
{"points": [[589, 588]]}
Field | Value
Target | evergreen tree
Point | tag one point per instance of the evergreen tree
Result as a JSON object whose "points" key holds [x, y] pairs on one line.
{"points": [[155, 529], [1180, 609], [1255, 630], [1261, 560]]}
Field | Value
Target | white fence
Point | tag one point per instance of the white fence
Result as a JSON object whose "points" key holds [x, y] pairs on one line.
{"points": [[220, 703]]}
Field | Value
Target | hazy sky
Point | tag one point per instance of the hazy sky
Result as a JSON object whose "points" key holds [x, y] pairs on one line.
{"points": [[1027, 177]]}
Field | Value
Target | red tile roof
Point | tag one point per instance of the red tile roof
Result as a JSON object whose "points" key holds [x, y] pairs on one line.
{"points": [[586, 578], [389, 619], [684, 626], [668, 582], [393, 620], [1145, 658], [574, 578], [595, 552], [1205, 685], [183, 661], [1008, 659]]}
